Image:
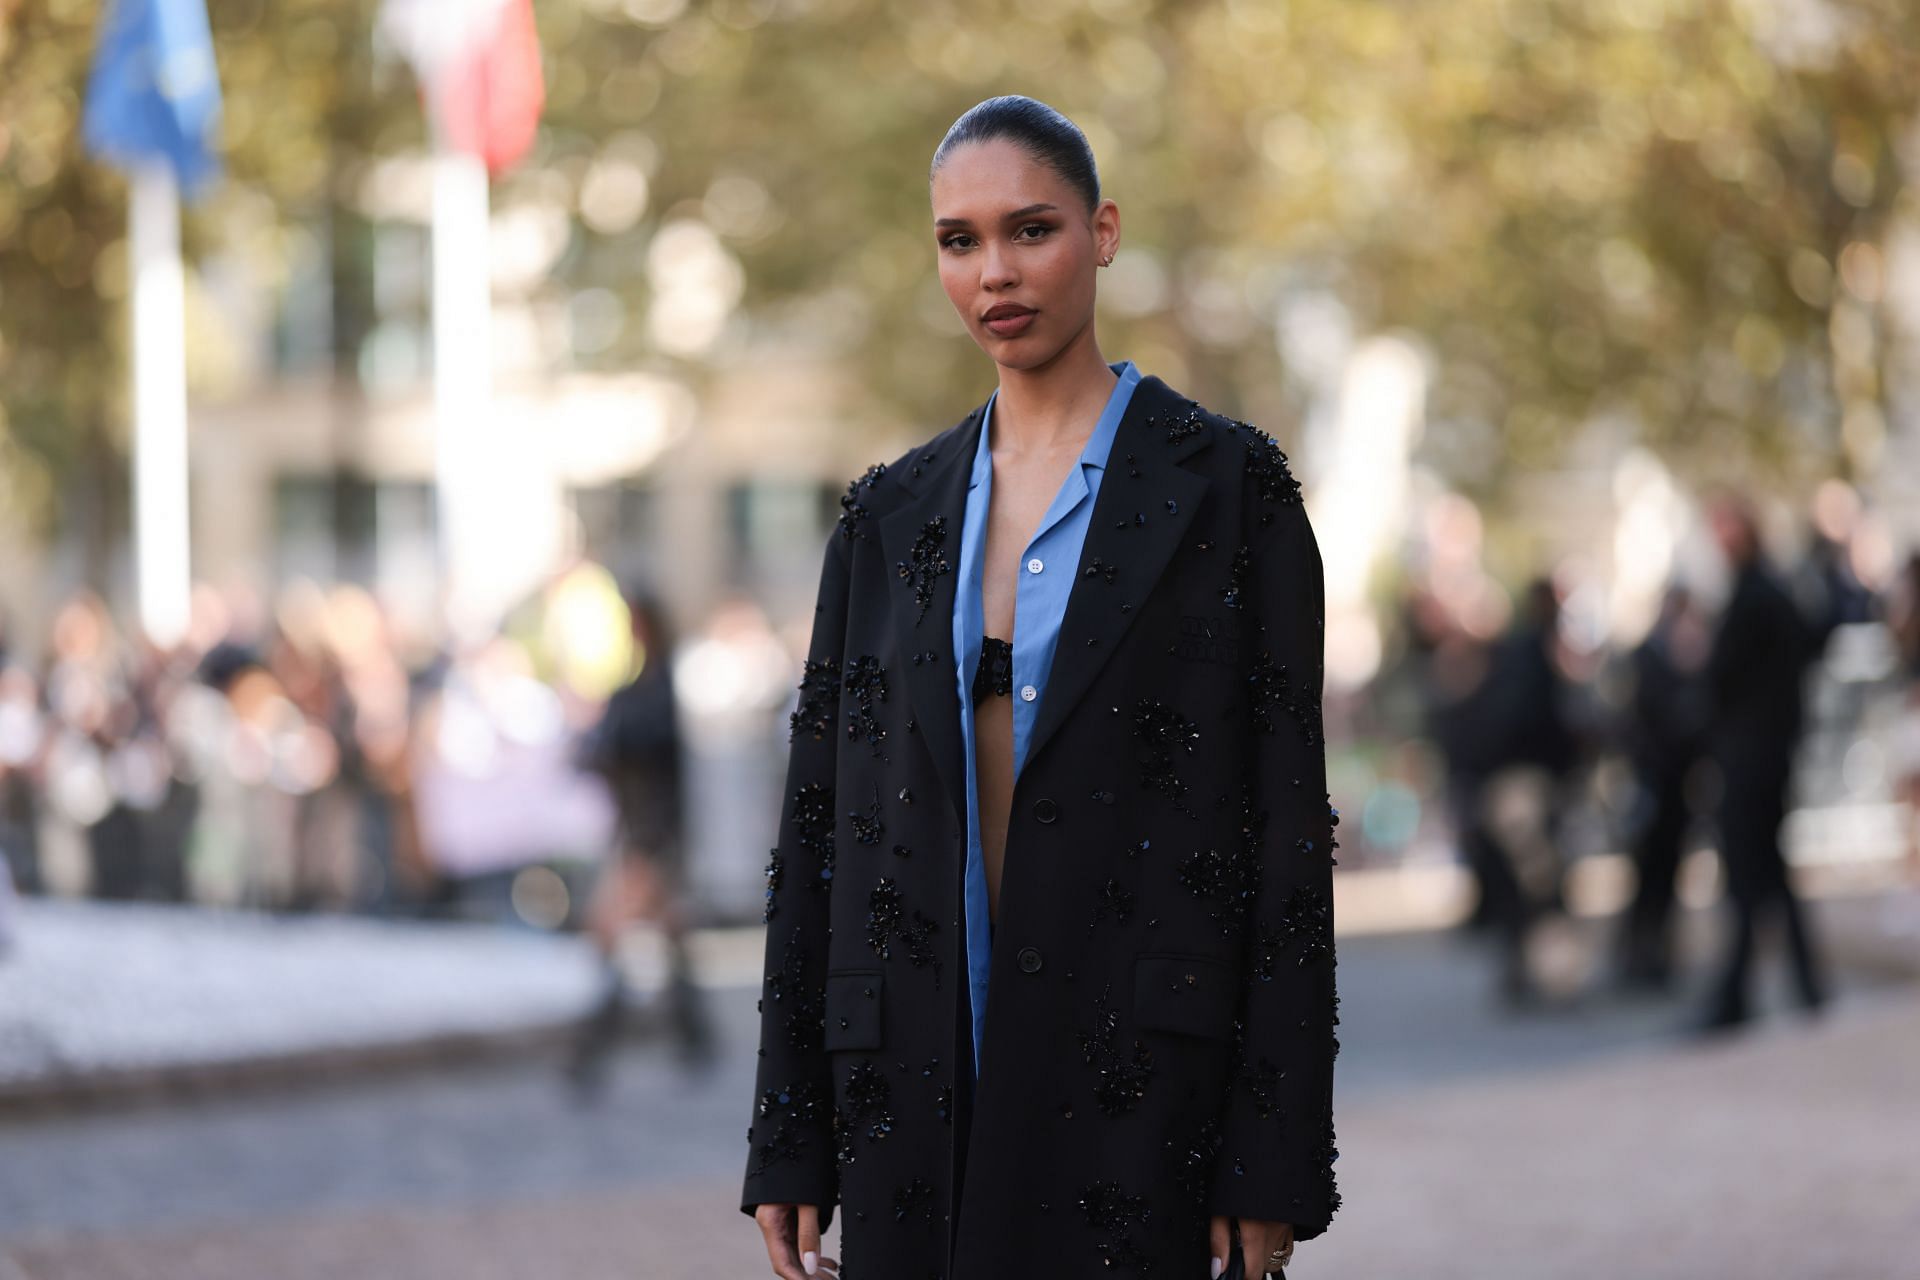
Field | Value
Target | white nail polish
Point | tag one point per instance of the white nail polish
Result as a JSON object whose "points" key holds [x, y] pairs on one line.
{"points": [[811, 1261], [1218, 1267]]}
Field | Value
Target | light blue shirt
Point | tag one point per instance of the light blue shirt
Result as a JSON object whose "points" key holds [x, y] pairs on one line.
{"points": [[1044, 582]]}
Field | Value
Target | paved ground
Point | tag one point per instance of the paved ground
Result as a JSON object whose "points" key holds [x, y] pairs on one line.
{"points": [[96, 993], [107, 999], [1781, 1155], [1791, 1154], [1583, 1142]]}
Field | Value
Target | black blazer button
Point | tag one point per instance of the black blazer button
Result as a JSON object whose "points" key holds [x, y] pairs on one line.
{"points": [[1029, 960], [1045, 810]]}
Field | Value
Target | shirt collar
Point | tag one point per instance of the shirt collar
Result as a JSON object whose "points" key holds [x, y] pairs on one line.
{"points": [[1098, 445]]}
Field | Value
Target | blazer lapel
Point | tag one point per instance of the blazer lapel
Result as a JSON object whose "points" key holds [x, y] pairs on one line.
{"points": [[1136, 525], [1145, 504], [921, 542]]}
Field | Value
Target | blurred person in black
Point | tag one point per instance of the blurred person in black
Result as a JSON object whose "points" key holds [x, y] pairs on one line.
{"points": [[1826, 584], [1522, 721], [1451, 667], [1754, 672], [22, 731], [637, 748], [1665, 740], [1903, 618], [171, 804], [23, 739]]}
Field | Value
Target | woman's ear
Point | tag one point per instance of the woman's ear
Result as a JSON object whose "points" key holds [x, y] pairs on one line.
{"points": [[1106, 231]]}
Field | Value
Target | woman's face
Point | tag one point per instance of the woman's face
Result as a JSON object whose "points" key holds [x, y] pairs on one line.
{"points": [[1017, 250]]}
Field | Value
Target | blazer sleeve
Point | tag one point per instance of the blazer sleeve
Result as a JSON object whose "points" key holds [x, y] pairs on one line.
{"points": [[791, 1139], [1275, 1160]]}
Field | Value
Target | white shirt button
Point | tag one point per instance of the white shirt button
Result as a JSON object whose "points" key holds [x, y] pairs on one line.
{"points": [[1034, 565], [1028, 693]]}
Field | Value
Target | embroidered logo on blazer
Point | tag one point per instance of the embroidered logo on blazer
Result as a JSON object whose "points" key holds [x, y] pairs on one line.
{"points": [[1208, 639]]}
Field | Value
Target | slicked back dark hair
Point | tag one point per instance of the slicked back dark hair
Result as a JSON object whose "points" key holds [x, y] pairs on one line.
{"points": [[1044, 133]]}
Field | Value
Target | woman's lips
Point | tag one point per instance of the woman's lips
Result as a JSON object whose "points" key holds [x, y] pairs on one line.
{"points": [[1008, 326]]}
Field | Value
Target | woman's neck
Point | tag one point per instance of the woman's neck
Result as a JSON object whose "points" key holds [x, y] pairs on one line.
{"points": [[1054, 405]]}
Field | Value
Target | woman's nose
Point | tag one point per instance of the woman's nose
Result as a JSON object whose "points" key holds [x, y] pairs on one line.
{"points": [[998, 271]]}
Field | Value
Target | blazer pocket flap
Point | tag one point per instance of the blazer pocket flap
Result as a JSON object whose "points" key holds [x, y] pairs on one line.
{"points": [[1188, 995], [853, 1009]]}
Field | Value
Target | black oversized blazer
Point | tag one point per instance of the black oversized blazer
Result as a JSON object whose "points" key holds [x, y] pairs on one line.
{"points": [[1160, 1039]]}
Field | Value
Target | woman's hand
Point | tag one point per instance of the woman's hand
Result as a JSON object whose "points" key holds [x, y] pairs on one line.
{"points": [[792, 1233], [1258, 1242]]}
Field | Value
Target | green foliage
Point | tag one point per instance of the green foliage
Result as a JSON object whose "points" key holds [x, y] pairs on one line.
{"points": [[1641, 207]]}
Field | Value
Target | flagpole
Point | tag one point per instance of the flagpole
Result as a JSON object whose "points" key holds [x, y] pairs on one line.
{"points": [[478, 62], [163, 572], [462, 378]]}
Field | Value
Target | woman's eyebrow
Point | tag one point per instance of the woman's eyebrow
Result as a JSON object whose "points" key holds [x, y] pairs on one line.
{"points": [[1026, 211]]}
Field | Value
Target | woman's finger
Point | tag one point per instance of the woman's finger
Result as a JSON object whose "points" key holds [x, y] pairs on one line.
{"points": [[777, 1229], [810, 1239], [1218, 1242], [1253, 1250], [1260, 1241]]}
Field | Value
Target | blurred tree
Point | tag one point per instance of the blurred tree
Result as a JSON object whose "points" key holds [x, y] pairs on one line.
{"points": [[1676, 213], [301, 111], [1635, 207], [62, 260]]}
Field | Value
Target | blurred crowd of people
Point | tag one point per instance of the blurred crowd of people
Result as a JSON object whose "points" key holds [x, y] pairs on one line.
{"points": [[1706, 712], [318, 756], [262, 762]]}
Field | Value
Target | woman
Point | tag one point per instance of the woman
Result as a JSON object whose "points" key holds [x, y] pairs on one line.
{"points": [[1049, 983], [637, 748]]}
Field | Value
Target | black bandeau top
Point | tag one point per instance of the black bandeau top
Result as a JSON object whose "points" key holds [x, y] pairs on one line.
{"points": [[994, 675]]}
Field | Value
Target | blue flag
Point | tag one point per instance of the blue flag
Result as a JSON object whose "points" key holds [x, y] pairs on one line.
{"points": [[155, 92]]}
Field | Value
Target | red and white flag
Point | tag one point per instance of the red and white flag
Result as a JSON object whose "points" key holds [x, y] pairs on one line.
{"points": [[478, 62]]}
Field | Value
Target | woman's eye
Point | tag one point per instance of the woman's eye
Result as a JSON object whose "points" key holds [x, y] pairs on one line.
{"points": [[1040, 227], [954, 242]]}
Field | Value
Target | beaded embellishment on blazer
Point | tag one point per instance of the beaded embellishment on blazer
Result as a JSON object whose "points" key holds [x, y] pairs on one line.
{"points": [[926, 560], [1164, 1013]]}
